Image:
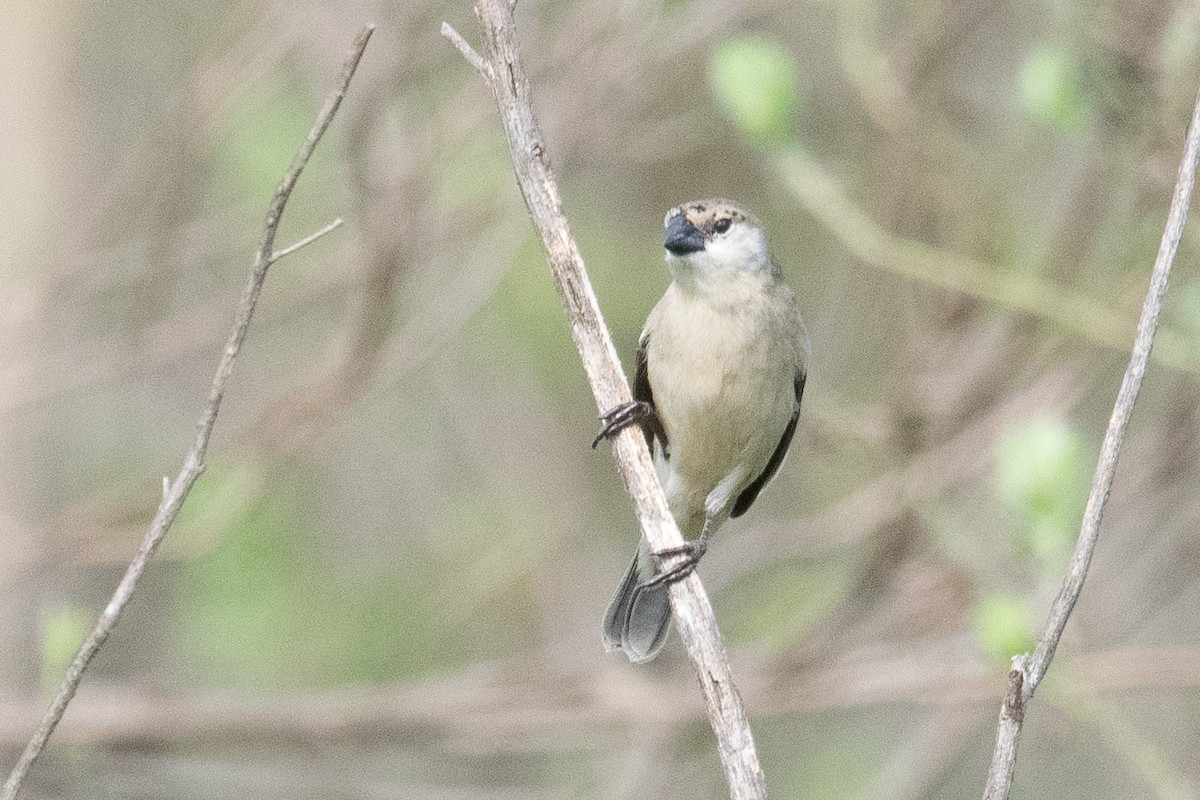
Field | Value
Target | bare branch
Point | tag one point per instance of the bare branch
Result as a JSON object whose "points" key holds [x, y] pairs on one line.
{"points": [[1095, 320], [1032, 669], [468, 52], [176, 492], [505, 75], [1008, 730], [307, 240], [516, 705]]}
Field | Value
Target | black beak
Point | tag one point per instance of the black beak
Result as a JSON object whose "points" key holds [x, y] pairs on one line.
{"points": [[682, 237]]}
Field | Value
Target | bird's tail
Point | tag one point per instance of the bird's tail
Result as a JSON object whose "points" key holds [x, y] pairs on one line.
{"points": [[638, 619]]}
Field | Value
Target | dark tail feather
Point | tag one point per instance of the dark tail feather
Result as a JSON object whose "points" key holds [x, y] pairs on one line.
{"points": [[638, 620]]}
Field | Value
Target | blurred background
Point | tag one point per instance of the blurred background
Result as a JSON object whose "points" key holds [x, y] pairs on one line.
{"points": [[389, 582]]}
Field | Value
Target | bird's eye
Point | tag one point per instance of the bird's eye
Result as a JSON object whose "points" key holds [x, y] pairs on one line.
{"points": [[722, 225]]}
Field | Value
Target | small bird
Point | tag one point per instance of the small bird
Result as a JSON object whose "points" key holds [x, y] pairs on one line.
{"points": [[721, 365]]}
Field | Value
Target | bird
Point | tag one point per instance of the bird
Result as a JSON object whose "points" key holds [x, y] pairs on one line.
{"points": [[720, 372]]}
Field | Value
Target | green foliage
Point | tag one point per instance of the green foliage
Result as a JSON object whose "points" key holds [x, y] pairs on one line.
{"points": [[262, 608], [265, 129], [244, 600], [628, 271], [1049, 90], [218, 501], [267, 605], [1042, 476], [1003, 626], [531, 319], [754, 82], [63, 630], [839, 768]]}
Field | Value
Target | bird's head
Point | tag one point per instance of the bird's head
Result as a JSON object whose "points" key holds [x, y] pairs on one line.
{"points": [[713, 237]]}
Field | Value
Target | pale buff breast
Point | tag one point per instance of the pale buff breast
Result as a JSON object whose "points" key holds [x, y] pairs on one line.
{"points": [[723, 387]]}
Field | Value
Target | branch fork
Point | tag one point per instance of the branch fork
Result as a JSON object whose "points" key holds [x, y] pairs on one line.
{"points": [[174, 493]]}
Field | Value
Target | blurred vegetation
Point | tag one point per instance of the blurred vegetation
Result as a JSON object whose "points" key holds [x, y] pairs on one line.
{"points": [[390, 579]]}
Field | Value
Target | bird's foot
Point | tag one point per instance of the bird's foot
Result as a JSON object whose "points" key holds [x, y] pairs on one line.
{"points": [[637, 412], [694, 550]]}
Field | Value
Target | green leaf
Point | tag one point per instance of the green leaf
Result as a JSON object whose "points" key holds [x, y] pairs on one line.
{"points": [[1049, 90], [1041, 473], [264, 130], [1003, 626], [754, 82]]}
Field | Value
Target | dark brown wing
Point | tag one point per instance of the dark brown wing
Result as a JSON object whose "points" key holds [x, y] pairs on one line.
{"points": [[642, 392], [750, 493]]}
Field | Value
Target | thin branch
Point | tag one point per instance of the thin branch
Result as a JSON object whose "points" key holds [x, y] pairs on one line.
{"points": [[307, 240], [469, 53], [1008, 730], [818, 190], [176, 492], [1030, 669], [518, 704], [504, 73]]}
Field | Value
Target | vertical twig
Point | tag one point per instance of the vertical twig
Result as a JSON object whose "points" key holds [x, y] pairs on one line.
{"points": [[504, 74], [176, 492], [1029, 670]]}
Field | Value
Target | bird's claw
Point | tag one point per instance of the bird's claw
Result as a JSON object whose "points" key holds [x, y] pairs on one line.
{"points": [[694, 550], [616, 419]]}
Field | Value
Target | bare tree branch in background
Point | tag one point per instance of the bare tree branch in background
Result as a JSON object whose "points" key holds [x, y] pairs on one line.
{"points": [[516, 705], [176, 492], [1028, 670], [1095, 319], [504, 74]]}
